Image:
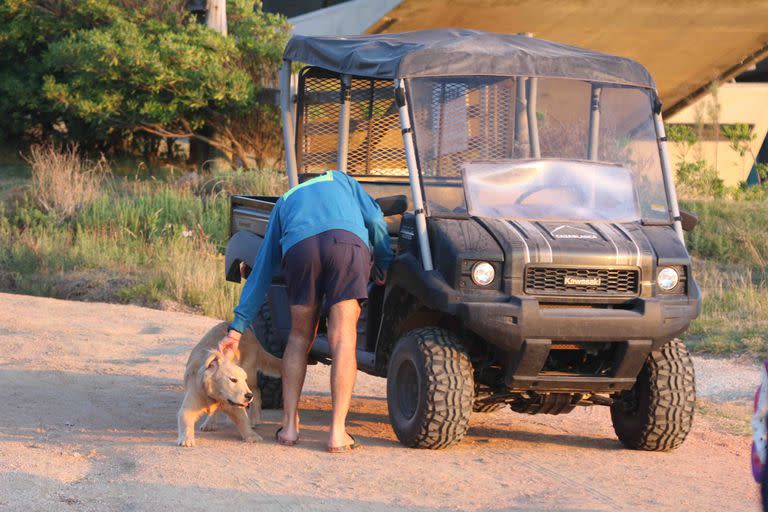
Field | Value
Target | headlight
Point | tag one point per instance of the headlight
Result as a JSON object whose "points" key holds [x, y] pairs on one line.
{"points": [[483, 273], [667, 278]]}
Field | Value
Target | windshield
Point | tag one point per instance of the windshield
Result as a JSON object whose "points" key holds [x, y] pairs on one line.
{"points": [[553, 142], [550, 190]]}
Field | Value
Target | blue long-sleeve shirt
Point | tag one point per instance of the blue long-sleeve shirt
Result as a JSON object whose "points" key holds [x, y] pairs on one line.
{"points": [[330, 201]]}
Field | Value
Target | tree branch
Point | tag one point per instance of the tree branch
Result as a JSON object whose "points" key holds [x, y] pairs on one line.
{"points": [[162, 132]]}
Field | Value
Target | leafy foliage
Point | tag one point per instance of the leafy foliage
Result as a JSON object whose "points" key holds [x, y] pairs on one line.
{"points": [[697, 178], [107, 74], [740, 137], [681, 134]]}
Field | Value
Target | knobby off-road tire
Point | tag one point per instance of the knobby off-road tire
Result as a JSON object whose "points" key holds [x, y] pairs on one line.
{"points": [[430, 389], [271, 388], [657, 413]]}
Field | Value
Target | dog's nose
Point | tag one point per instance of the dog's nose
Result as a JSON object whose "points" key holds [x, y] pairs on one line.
{"points": [[248, 396]]}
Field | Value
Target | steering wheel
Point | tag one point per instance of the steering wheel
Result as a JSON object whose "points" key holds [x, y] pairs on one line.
{"points": [[542, 188]]}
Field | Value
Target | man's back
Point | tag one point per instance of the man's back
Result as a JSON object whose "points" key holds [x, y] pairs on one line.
{"points": [[329, 201]]}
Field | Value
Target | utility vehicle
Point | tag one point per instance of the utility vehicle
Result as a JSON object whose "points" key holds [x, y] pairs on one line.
{"points": [[540, 256]]}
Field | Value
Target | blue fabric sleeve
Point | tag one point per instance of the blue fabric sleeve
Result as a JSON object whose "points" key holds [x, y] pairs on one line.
{"points": [[376, 225], [267, 262]]}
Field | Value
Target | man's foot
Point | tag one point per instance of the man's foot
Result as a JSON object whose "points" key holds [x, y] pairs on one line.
{"points": [[284, 439], [352, 445]]}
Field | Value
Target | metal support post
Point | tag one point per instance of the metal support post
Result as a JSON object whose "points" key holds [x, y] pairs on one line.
{"points": [[519, 113], [533, 121], [345, 100], [289, 134], [666, 170], [594, 122], [413, 174]]}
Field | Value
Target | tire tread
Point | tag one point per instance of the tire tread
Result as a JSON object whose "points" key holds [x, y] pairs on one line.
{"points": [[449, 389], [672, 401], [271, 388]]}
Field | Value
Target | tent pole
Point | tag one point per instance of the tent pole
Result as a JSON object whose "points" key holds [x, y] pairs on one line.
{"points": [[413, 174]]}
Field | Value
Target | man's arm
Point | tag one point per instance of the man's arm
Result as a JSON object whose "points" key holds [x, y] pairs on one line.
{"points": [[267, 261], [377, 226]]}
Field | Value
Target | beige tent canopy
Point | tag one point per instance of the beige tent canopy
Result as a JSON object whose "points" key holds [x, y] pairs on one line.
{"points": [[686, 45]]}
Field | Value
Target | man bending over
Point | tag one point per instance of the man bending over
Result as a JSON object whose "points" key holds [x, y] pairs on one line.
{"points": [[323, 231]]}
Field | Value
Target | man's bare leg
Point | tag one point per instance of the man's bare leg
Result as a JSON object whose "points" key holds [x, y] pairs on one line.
{"points": [[342, 337], [303, 329]]}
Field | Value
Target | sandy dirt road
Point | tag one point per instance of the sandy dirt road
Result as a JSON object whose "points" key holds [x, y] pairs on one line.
{"points": [[90, 392]]}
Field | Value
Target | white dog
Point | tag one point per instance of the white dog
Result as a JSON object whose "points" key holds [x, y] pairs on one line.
{"points": [[214, 381]]}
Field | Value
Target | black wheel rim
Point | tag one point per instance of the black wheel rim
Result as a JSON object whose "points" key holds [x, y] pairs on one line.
{"points": [[407, 387]]}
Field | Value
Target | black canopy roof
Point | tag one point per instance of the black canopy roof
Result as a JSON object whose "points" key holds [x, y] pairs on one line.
{"points": [[455, 52]]}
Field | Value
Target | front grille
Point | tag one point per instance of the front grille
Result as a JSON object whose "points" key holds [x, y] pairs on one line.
{"points": [[581, 281]]}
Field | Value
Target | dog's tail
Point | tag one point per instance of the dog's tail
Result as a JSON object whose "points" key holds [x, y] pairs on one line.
{"points": [[272, 365], [269, 365]]}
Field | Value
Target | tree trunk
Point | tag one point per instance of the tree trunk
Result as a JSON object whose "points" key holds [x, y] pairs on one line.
{"points": [[216, 19]]}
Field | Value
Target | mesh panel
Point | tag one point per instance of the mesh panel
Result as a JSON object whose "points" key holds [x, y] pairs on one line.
{"points": [[467, 120], [375, 140]]}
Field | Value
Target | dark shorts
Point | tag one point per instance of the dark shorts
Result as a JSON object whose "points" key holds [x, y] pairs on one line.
{"points": [[334, 264]]}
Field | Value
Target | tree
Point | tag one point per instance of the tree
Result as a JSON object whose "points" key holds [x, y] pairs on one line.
{"points": [[216, 18], [740, 139], [108, 73]]}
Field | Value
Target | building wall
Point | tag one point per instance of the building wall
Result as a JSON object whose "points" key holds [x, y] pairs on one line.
{"points": [[739, 103]]}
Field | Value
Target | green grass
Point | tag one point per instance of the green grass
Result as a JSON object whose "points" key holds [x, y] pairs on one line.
{"points": [[730, 232], [733, 318], [14, 173], [730, 247], [158, 241], [146, 241]]}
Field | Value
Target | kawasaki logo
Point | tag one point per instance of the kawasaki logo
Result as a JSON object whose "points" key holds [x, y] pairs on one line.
{"points": [[582, 281], [575, 232]]}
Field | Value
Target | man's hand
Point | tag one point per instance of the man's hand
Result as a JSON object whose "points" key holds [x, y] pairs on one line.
{"points": [[230, 342], [380, 277]]}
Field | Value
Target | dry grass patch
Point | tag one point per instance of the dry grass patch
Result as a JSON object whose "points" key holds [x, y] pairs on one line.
{"points": [[63, 183], [733, 318]]}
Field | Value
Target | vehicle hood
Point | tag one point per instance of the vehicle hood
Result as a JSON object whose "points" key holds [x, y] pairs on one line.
{"points": [[576, 244]]}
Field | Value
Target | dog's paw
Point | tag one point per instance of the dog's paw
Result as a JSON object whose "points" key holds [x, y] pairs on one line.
{"points": [[186, 442], [253, 437]]}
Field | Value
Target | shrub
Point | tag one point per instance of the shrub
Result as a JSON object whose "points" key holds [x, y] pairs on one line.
{"points": [[111, 74], [730, 232], [699, 179], [62, 182]]}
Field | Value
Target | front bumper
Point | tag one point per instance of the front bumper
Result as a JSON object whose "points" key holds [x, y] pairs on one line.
{"points": [[526, 330]]}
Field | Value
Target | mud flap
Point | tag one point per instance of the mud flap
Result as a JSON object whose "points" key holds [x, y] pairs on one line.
{"points": [[241, 248]]}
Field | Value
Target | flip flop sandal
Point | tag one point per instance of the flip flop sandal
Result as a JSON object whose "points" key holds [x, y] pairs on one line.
{"points": [[284, 442], [346, 448]]}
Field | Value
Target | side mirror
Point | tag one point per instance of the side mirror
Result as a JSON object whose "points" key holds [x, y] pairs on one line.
{"points": [[393, 205], [688, 220]]}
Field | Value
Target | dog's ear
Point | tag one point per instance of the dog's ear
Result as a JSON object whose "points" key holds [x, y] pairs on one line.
{"points": [[212, 361], [231, 355]]}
